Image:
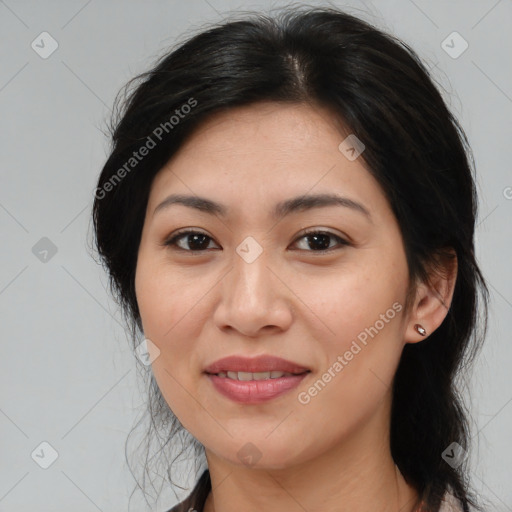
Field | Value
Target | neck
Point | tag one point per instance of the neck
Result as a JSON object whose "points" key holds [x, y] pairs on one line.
{"points": [[357, 475]]}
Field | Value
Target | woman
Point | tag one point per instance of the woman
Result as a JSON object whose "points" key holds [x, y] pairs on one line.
{"points": [[287, 217]]}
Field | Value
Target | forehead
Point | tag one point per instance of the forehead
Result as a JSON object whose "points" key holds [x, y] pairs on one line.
{"points": [[268, 126], [265, 153]]}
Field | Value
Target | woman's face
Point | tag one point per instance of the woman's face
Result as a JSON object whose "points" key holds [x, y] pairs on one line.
{"points": [[250, 283]]}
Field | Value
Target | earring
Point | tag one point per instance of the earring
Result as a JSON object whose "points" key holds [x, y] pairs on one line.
{"points": [[420, 329]]}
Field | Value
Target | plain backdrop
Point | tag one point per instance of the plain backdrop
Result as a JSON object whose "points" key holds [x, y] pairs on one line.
{"points": [[68, 376]]}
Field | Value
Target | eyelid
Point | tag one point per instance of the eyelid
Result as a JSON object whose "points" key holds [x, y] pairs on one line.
{"points": [[171, 239], [342, 240]]}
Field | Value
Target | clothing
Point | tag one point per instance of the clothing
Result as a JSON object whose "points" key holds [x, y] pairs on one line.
{"points": [[450, 503], [196, 499]]}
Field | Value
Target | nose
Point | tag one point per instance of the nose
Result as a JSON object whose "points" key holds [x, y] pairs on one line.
{"points": [[253, 299]]}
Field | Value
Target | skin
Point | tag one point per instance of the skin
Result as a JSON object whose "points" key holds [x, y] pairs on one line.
{"points": [[293, 301]]}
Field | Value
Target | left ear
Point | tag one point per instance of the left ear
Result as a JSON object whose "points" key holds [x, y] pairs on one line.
{"points": [[433, 298]]}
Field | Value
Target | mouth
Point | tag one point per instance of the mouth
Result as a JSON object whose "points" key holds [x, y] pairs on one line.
{"points": [[255, 391], [255, 380], [257, 368], [247, 376]]}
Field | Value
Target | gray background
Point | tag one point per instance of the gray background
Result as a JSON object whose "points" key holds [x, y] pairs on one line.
{"points": [[68, 377]]}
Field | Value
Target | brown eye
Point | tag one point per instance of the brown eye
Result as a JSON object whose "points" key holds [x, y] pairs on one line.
{"points": [[320, 241], [195, 240]]}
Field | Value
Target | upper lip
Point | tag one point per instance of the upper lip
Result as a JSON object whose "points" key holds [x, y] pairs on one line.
{"points": [[263, 363]]}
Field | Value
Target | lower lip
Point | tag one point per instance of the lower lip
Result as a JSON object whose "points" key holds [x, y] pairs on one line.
{"points": [[254, 391]]}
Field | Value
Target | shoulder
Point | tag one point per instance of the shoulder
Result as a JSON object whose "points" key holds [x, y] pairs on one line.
{"points": [[194, 502]]}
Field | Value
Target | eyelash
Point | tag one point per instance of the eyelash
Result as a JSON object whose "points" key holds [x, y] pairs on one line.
{"points": [[171, 242]]}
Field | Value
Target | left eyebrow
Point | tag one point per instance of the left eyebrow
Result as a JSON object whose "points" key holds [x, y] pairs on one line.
{"points": [[281, 209], [308, 202]]}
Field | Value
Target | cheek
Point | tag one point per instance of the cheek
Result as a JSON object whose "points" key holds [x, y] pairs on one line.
{"points": [[360, 363], [361, 319], [164, 302], [169, 319], [346, 303]]}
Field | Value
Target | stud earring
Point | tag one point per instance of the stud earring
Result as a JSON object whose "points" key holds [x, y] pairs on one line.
{"points": [[420, 329]]}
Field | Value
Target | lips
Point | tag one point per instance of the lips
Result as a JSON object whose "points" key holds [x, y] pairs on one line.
{"points": [[256, 365]]}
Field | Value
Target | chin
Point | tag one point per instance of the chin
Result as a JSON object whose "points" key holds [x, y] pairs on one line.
{"points": [[263, 454]]}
